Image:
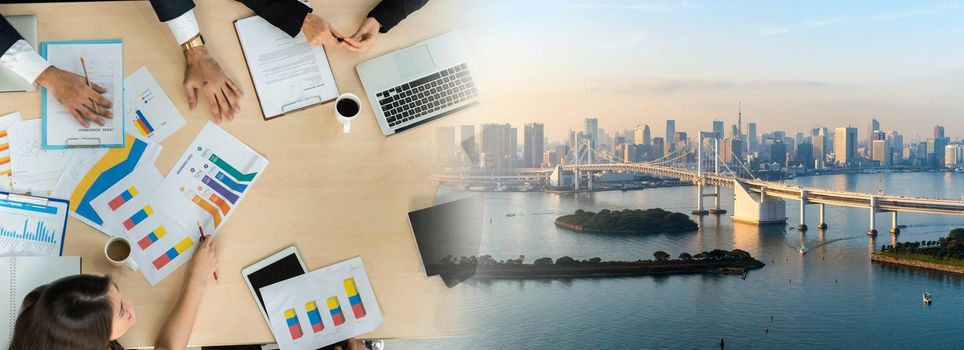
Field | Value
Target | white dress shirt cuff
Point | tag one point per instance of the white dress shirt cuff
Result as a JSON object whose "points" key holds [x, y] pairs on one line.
{"points": [[184, 27], [24, 61]]}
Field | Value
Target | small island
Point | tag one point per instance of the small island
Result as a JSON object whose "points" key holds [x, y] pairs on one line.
{"points": [[736, 262], [945, 254], [627, 221]]}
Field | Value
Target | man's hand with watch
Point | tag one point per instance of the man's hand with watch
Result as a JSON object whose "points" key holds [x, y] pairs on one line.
{"points": [[203, 76]]}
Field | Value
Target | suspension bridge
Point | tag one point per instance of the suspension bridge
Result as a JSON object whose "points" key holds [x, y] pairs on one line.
{"points": [[756, 201]]}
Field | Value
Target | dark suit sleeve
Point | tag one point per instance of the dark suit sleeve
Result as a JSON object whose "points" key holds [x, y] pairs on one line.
{"points": [[8, 35], [391, 12], [287, 15], [167, 10]]}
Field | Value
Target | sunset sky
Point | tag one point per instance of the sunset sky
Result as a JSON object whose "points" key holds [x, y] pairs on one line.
{"points": [[794, 65]]}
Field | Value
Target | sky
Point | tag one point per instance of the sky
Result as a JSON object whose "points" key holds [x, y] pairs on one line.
{"points": [[794, 65]]}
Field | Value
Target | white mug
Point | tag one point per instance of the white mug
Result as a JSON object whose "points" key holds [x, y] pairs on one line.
{"points": [[127, 260], [345, 120]]}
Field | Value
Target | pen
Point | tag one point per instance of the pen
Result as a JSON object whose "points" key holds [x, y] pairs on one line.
{"points": [[201, 230], [87, 78]]}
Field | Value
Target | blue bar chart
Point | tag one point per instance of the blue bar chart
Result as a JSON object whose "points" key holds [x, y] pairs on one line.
{"points": [[30, 228]]}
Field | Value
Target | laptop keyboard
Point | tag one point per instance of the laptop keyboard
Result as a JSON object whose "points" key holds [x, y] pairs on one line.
{"points": [[427, 95]]}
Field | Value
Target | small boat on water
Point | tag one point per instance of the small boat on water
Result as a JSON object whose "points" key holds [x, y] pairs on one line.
{"points": [[803, 249], [926, 298]]}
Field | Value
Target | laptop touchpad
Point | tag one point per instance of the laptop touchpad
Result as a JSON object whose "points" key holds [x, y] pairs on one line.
{"points": [[416, 60]]}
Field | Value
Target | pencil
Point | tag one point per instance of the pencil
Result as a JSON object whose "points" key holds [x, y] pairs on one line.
{"points": [[87, 78]]}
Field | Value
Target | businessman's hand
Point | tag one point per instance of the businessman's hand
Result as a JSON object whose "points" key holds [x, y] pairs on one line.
{"points": [[203, 75], [319, 32], [76, 97], [364, 38]]}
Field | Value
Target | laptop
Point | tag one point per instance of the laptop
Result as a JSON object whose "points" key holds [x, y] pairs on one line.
{"points": [[421, 83], [27, 27]]}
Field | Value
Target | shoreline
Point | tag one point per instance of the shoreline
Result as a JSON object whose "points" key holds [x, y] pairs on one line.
{"points": [[615, 269], [914, 263], [583, 229]]}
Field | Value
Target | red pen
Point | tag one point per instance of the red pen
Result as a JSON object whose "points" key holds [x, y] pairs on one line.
{"points": [[201, 230]]}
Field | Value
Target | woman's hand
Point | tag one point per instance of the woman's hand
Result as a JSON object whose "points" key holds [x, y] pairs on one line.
{"points": [[319, 32], [204, 263], [76, 97], [365, 37]]}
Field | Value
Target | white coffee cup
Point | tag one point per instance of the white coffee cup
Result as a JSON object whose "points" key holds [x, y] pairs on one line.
{"points": [[114, 251], [343, 109]]}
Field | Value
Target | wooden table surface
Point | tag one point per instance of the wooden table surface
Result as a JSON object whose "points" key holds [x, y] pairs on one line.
{"points": [[334, 196]]}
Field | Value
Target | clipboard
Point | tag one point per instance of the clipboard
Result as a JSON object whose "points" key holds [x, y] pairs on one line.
{"points": [[83, 142], [297, 104], [50, 208]]}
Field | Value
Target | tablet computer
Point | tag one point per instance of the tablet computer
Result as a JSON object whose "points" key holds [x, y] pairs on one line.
{"points": [[278, 267]]}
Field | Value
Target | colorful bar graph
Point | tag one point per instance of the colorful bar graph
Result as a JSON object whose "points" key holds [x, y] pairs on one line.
{"points": [[172, 253], [314, 317], [152, 237], [143, 126], [208, 208], [224, 192], [230, 183], [139, 216], [228, 168], [291, 318], [122, 198], [353, 298], [337, 317], [41, 233]]}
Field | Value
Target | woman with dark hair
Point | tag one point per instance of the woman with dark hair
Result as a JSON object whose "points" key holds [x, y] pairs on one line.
{"points": [[87, 312]]}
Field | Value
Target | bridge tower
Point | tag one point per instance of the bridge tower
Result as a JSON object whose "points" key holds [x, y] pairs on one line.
{"points": [[716, 170], [873, 216], [894, 229], [823, 222], [700, 178], [803, 211]]}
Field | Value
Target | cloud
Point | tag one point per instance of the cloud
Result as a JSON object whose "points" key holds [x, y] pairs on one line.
{"points": [[915, 12], [776, 31], [613, 5]]}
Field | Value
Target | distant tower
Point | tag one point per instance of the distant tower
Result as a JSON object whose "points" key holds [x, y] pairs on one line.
{"points": [[739, 121]]}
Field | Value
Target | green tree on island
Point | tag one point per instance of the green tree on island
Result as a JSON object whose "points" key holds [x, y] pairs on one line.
{"points": [[661, 255]]}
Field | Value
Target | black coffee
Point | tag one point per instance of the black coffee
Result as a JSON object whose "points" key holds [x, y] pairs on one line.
{"points": [[347, 107], [118, 250]]}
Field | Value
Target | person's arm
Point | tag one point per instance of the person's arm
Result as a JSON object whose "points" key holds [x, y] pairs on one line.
{"points": [[176, 330], [287, 15], [389, 13], [385, 16], [69, 89], [202, 75]]}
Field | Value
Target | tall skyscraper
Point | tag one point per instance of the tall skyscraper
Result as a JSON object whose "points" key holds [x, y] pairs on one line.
{"points": [[647, 135], [872, 126], [845, 145], [718, 129], [638, 135], [939, 132], [592, 133], [533, 148], [670, 138], [805, 155], [897, 146], [752, 142], [658, 148], [495, 145], [881, 152], [512, 143]]}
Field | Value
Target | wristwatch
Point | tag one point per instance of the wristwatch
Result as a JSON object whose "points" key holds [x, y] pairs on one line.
{"points": [[196, 41]]}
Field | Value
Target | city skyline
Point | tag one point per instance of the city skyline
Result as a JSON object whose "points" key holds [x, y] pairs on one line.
{"points": [[793, 67]]}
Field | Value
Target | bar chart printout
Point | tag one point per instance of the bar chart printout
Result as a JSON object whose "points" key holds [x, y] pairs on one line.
{"points": [[337, 301], [210, 179], [31, 225]]}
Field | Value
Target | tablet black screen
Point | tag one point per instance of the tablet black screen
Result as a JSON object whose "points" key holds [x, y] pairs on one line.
{"points": [[278, 271]]}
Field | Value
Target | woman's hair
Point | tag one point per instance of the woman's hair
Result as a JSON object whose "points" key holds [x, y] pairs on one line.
{"points": [[70, 313]]}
